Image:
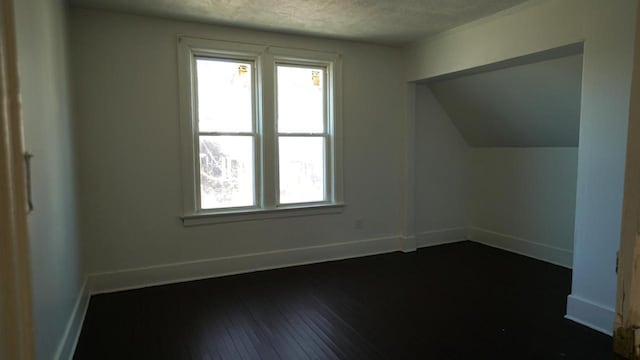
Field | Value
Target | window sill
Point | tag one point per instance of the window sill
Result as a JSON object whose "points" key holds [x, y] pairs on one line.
{"points": [[261, 214]]}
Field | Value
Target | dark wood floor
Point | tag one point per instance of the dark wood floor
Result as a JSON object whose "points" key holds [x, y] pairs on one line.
{"points": [[458, 301]]}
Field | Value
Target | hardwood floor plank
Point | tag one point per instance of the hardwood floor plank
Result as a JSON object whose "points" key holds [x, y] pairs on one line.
{"points": [[420, 305]]}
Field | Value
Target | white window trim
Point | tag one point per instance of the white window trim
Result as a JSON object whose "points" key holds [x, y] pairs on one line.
{"points": [[265, 58]]}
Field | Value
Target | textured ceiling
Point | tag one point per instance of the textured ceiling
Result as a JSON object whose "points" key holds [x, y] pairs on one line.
{"points": [[526, 106], [391, 22]]}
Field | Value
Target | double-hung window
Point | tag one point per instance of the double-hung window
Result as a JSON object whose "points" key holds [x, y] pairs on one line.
{"points": [[260, 131]]}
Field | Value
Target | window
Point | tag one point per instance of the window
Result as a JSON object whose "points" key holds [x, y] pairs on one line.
{"points": [[226, 132], [302, 139], [260, 131]]}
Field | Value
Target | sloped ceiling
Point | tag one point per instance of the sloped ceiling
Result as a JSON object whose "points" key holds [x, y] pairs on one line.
{"points": [[392, 22], [531, 105]]}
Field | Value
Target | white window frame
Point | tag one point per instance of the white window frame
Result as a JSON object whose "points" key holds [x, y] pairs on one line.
{"points": [[265, 58]]}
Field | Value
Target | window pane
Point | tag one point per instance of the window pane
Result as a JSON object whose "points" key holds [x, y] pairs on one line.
{"points": [[302, 176], [300, 99], [226, 172], [224, 95]]}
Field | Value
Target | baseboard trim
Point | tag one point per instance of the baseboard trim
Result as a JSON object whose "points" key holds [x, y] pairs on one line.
{"points": [[408, 244], [590, 314], [208, 268], [550, 254], [67, 345], [440, 237]]}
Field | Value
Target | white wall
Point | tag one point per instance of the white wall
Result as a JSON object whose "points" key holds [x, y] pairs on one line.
{"points": [[530, 105], [56, 261], [441, 172], [523, 200], [606, 27], [126, 91], [516, 198]]}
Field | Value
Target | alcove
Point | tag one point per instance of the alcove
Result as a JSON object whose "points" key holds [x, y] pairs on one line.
{"points": [[496, 155]]}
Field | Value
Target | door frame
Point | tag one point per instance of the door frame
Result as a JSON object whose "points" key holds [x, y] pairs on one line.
{"points": [[16, 323], [626, 341]]}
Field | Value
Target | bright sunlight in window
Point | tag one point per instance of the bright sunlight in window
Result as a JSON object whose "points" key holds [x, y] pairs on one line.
{"points": [[225, 122], [301, 130]]}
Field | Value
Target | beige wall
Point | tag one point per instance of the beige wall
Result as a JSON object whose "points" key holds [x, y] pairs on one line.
{"points": [[126, 92]]}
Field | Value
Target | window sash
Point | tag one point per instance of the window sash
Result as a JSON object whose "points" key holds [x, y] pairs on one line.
{"points": [[228, 59], [327, 170], [328, 196], [324, 68], [257, 177]]}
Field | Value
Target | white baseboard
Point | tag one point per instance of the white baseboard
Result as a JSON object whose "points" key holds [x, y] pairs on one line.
{"points": [[408, 243], [550, 254], [67, 345], [440, 237], [208, 268], [591, 314]]}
